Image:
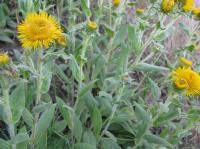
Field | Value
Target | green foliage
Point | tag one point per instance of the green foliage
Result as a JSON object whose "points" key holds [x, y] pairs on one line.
{"points": [[109, 88]]}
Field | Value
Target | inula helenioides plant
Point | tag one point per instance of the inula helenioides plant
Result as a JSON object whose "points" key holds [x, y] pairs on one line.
{"points": [[88, 74]]}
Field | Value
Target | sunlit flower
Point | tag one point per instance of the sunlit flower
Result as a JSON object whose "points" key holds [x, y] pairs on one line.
{"points": [[167, 5], [62, 40], [196, 11], [188, 5], [4, 59], [92, 25], [116, 2], [139, 11], [38, 30], [185, 61], [187, 79]]}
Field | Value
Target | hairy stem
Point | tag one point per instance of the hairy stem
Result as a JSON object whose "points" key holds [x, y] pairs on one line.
{"points": [[38, 94]]}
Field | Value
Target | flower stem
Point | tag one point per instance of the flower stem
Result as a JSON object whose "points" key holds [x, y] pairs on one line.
{"points": [[38, 94], [39, 78]]}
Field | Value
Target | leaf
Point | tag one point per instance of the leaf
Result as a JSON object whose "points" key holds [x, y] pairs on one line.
{"points": [[19, 138], [157, 140], [134, 39], [3, 115], [42, 142], [99, 65], [148, 67], [105, 103], [140, 113], [59, 126], [143, 123], [67, 115], [141, 129], [61, 73], [58, 143], [168, 116], [86, 88], [86, 7], [155, 89], [45, 121], [5, 38], [23, 144], [122, 59], [27, 117], [109, 30], [191, 47], [47, 76], [120, 35], [75, 69], [17, 102], [3, 17], [107, 143], [4, 144], [42, 107], [121, 117], [84, 146], [96, 121], [88, 137], [77, 128], [164, 34], [89, 101], [184, 27]]}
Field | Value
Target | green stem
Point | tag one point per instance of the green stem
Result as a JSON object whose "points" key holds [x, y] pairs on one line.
{"points": [[39, 78], [114, 25], [83, 52], [38, 94], [80, 83]]}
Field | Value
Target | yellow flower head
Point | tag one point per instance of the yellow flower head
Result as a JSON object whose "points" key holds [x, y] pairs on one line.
{"points": [[185, 61], [38, 30], [167, 5], [4, 59], [92, 25], [188, 5], [187, 79], [62, 40], [196, 11], [139, 11], [116, 2]]}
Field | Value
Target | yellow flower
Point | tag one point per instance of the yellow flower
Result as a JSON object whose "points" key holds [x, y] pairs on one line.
{"points": [[188, 5], [116, 2], [187, 79], [62, 40], [185, 61], [139, 11], [168, 5], [92, 25], [4, 59], [38, 30], [196, 11]]}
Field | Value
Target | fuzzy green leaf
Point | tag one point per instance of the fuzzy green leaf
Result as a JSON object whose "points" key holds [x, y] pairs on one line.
{"points": [[4, 144], [45, 121], [17, 102], [157, 140], [96, 121], [84, 146], [86, 8]]}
